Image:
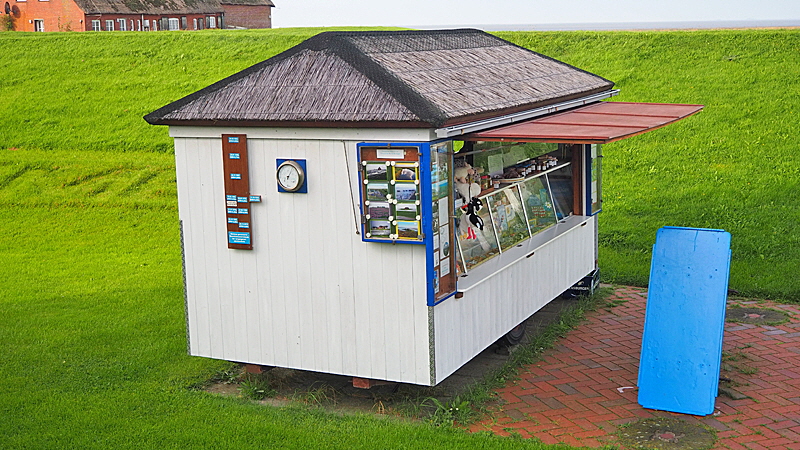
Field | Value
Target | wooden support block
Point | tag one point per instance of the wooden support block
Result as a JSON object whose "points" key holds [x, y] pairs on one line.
{"points": [[367, 383], [256, 369]]}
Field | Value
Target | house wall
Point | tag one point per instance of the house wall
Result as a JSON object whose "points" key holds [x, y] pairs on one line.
{"points": [[58, 15], [135, 22], [248, 16], [311, 295], [65, 15]]}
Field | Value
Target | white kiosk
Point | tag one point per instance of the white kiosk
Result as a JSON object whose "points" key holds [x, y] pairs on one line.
{"points": [[329, 199]]}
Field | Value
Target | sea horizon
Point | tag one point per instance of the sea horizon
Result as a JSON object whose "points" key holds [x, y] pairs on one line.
{"points": [[622, 26]]}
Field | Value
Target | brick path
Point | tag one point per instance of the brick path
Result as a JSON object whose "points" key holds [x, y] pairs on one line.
{"points": [[584, 388]]}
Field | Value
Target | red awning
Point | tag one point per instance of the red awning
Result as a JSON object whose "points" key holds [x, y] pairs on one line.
{"points": [[598, 123]]}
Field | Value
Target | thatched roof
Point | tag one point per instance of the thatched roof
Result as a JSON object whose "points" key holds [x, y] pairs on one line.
{"points": [[150, 6], [247, 2], [386, 78]]}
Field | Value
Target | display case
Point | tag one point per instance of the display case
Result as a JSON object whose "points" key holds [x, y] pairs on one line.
{"points": [[525, 189]]}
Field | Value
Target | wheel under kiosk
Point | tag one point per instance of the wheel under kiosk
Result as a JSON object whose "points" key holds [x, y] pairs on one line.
{"points": [[386, 205]]}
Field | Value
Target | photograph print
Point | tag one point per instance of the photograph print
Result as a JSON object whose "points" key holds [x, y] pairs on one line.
{"points": [[376, 171], [408, 229], [379, 210], [407, 211], [380, 228], [405, 192], [405, 172], [377, 191]]}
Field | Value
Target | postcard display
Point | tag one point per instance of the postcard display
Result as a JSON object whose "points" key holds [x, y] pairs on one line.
{"points": [[405, 200]]}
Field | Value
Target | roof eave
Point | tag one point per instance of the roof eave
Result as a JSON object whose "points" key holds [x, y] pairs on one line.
{"points": [[287, 124], [481, 121]]}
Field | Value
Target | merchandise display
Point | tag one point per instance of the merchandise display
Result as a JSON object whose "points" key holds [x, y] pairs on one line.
{"points": [[520, 201]]}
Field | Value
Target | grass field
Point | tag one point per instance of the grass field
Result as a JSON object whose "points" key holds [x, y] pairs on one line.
{"points": [[92, 304]]}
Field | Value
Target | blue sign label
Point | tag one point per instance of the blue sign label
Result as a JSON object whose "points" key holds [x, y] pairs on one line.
{"points": [[243, 211], [230, 198], [233, 220], [238, 237], [244, 225], [233, 211], [234, 156], [233, 139], [241, 199], [255, 198], [236, 176]]}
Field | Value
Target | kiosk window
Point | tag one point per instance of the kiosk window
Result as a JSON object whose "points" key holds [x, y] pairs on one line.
{"points": [[524, 189]]}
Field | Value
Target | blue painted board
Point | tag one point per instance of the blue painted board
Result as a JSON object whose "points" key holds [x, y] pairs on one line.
{"points": [[684, 320]]}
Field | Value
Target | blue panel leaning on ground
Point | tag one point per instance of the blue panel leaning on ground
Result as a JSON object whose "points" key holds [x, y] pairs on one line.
{"points": [[684, 320]]}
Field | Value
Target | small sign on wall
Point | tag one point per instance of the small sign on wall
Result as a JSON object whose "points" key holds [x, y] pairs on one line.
{"points": [[237, 191]]}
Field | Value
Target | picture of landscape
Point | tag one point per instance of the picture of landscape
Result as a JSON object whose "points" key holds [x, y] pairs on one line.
{"points": [[376, 171], [379, 210], [406, 211], [405, 191], [377, 191], [408, 229], [380, 228]]}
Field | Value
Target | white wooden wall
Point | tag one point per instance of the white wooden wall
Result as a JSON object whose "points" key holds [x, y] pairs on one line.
{"points": [[311, 295], [465, 327]]}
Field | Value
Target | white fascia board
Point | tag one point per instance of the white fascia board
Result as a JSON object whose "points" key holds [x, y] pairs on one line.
{"points": [[329, 134]]}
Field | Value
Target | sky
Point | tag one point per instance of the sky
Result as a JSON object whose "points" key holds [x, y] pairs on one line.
{"points": [[427, 13]]}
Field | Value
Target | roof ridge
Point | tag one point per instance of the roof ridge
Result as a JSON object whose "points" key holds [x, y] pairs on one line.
{"points": [[375, 72]]}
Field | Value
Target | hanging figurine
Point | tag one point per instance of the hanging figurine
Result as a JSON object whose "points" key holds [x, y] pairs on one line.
{"points": [[471, 224]]}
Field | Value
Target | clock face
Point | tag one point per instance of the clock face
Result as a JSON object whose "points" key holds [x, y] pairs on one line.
{"points": [[290, 176]]}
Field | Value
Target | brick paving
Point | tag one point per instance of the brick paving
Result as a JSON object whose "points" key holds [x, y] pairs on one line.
{"points": [[584, 387]]}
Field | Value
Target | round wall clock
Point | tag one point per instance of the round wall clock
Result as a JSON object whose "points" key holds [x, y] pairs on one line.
{"points": [[290, 176]]}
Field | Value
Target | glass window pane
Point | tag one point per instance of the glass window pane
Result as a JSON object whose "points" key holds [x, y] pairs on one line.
{"points": [[561, 186], [476, 245], [538, 204], [508, 217]]}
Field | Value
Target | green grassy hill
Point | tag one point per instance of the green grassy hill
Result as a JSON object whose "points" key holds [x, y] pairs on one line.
{"points": [[92, 305], [733, 166]]}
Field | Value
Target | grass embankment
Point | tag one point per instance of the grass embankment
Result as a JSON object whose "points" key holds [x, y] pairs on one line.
{"points": [[91, 301]]}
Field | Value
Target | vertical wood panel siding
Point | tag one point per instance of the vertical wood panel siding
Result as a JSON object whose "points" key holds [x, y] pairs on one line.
{"points": [[311, 295], [464, 327]]}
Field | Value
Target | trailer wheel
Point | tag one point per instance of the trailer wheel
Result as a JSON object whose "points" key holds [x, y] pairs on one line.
{"points": [[514, 336]]}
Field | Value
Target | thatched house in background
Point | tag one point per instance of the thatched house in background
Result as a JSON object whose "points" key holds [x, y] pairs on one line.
{"points": [[137, 15]]}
